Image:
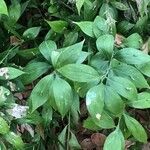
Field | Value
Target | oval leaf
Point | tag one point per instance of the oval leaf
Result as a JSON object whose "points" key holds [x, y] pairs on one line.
{"points": [[142, 102], [79, 73], [40, 92], [31, 33], [95, 101], [63, 95], [46, 47], [69, 54], [4, 128], [9, 73], [86, 27], [132, 56], [102, 46], [135, 128], [115, 141], [3, 8], [124, 87]]}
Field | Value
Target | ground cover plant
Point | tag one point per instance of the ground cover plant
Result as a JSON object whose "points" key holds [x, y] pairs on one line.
{"points": [[74, 74]]}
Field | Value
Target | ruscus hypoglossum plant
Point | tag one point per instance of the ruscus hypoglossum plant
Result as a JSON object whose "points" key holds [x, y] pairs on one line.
{"points": [[74, 66]]}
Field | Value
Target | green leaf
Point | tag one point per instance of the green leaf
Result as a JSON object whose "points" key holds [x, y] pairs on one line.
{"points": [[79, 4], [40, 92], [134, 41], [62, 139], [124, 87], [75, 108], [79, 73], [119, 5], [115, 141], [90, 124], [102, 46], [46, 48], [70, 39], [3, 8], [100, 27], [58, 26], [132, 56], [73, 142], [14, 12], [142, 102], [4, 95], [106, 9], [95, 101], [69, 54], [28, 53], [105, 121], [144, 68], [4, 128], [113, 101], [33, 71], [135, 128], [63, 95], [9, 73], [86, 27], [131, 73], [99, 63], [82, 88], [47, 114], [31, 33], [15, 140]]}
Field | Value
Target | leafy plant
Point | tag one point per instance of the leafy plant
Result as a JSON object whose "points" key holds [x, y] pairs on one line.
{"points": [[68, 53]]}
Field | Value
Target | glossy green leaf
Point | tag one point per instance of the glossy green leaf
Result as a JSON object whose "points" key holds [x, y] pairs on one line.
{"points": [[62, 139], [135, 128], [142, 102], [115, 141], [119, 5], [134, 41], [73, 142], [31, 33], [28, 53], [102, 46], [63, 95], [86, 27], [124, 87], [144, 68], [104, 121], [3, 8], [14, 12], [4, 128], [33, 71], [15, 140], [4, 95], [113, 101], [95, 101], [40, 92], [9, 73], [46, 47], [82, 88], [75, 108], [100, 26], [58, 26], [69, 54], [79, 4], [131, 73], [79, 73], [99, 63], [90, 124], [70, 39], [132, 56], [47, 114]]}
